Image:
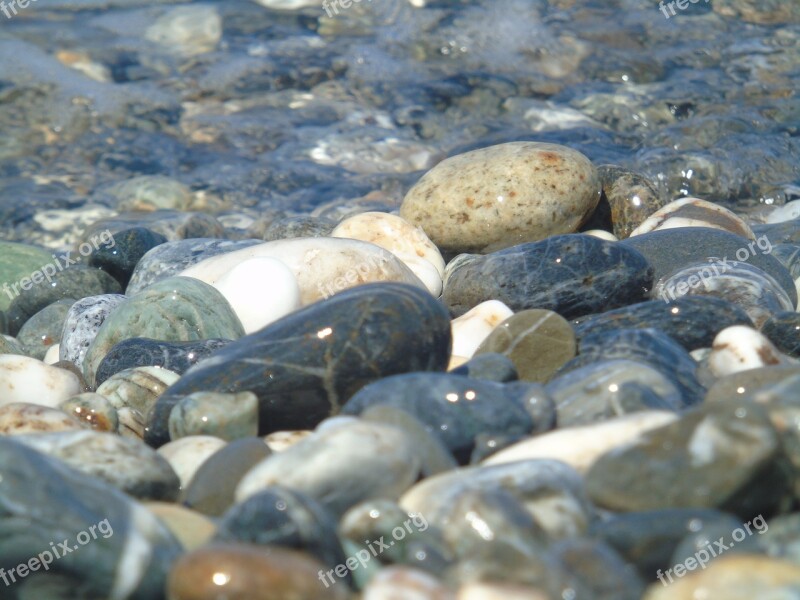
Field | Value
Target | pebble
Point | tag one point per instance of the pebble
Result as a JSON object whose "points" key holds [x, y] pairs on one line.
{"points": [[376, 460], [788, 212], [297, 227], [503, 195], [278, 441], [694, 212], [187, 454], [631, 198], [187, 30], [10, 345], [178, 309], [742, 348], [149, 193], [226, 416], [18, 418], [177, 357], [83, 321], [472, 328], [405, 583], [43, 330], [499, 591], [489, 366], [751, 384], [136, 389], [130, 245], [538, 342], [783, 330], [172, 224], [189, 527], [304, 367], [92, 410], [405, 241], [573, 275], [27, 380], [18, 262]]}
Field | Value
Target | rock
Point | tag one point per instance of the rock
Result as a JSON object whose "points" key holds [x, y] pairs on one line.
{"points": [[171, 258], [211, 490], [278, 441], [457, 409], [226, 416], [172, 224], [472, 328], [136, 390], [124, 463], [150, 192], [398, 236], [405, 583], [178, 309], [177, 357], [187, 30], [129, 247], [20, 263], [297, 227], [788, 212], [694, 212], [187, 454], [572, 275], [670, 250], [538, 342], [503, 195], [783, 330], [489, 366], [318, 357], [83, 321], [247, 572], [93, 410], [631, 198], [751, 384], [10, 345], [580, 447], [499, 591], [376, 461], [720, 455], [321, 266], [44, 329], [741, 348], [18, 418], [28, 380], [191, 529], [111, 528], [692, 321]]}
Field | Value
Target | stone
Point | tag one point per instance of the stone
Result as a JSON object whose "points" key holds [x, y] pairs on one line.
{"points": [[124, 463], [93, 410], [187, 454], [226, 416], [10, 345], [573, 275], [83, 321], [297, 227], [694, 212], [503, 195], [44, 329], [631, 198], [490, 367], [150, 192], [189, 527], [751, 384], [788, 212], [172, 224], [178, 309], [581, 446], [211, 490], [740, 349], [177, 357], [721, 455], [187, 30], [539, 342], [499, 591], [34, 488], [783, 330], [398, 236], [136, 390], [405, 582], [471, 328], [19, 418], [278, 441], [130, 245], [27, 380], [247, 572], [376, 461], [304, 367], [17, 263]]}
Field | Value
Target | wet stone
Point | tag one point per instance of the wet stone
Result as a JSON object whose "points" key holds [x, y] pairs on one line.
{"points": [[82, 323], [489, 366], [129, 247], [92, 410], [539, 342], [600, 569], [631, 198], [226, 416], [319, 356], [692, 321], [43, 330], [783, 330], [177, 357], [573, 275]]}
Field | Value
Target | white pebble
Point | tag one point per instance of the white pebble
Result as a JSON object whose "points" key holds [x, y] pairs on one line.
{"points": [[694, 212], [187, 454], [24, 379], [787, 212], [51, 357], [740, 348], [474, 326]]}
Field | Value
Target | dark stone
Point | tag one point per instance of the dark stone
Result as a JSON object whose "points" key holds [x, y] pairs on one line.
{"points": [[304, 367], [178, 357], [573, 275], [129, 247], [692, 321], [783, 330], [785, 232], [789, 255], [489, 367]]}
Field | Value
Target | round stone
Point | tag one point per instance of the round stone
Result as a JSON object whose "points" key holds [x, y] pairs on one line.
{"points": [[93, 410], [226, 416]]}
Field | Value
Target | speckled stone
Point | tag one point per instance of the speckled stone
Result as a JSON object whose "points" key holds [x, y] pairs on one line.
{"points": [[539, 342], [43, 330], [82, 323], [503, 195], [129, 247], [76, 281], [247, 572], [19, 418], [178, 309], [572, 275], [305, 366], [17, 262], [93, 410], [211, 490], [720, 455], [34, 488], [669, 250], [457, 409], [226, 416], [171, 258], [631, 198], [127, 464], [692, 321], [783, 330], [376, 461], [10, 345], [177, 357], [694, 212]]}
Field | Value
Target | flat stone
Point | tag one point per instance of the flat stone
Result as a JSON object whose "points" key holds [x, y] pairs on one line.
{"points": [[93, 410]]}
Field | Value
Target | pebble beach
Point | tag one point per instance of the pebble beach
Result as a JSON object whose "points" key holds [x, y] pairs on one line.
{"points": [[399, 300]]}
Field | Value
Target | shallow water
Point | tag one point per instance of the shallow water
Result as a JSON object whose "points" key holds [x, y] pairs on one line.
{"points": [[284, 111]]}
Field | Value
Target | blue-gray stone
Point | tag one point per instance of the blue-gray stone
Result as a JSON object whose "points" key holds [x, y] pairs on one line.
{"points": [[573, 275], [304, 367], [490, 367], [783, 330]]}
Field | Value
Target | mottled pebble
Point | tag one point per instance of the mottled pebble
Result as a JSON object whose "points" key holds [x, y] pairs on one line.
{"points": [[83, 321]]}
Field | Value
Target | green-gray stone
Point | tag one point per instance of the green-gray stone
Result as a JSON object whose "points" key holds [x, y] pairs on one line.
{"points": [[10, 345], [137, 388], [18, 261], [538, 341], [44, 328], [178, 309], [752, 384], [226, 416]]}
